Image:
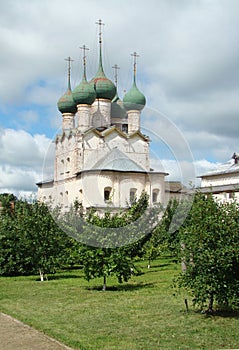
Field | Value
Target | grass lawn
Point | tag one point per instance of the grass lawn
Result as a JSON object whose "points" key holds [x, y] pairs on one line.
{"points": [[141, 314]]}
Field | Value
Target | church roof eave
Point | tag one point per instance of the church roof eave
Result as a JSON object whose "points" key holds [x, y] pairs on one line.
{"points": [[43, 182], [113, 128], [138, 132], [111, 170]]}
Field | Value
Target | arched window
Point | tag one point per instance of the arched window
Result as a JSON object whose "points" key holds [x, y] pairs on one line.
{"points": [[132, 194], [155, 196], [62, 167], [68, 164], [125, 128], [107, 194]]}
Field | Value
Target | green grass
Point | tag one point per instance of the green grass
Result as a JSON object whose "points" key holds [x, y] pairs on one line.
{"points": [[143, 314]]}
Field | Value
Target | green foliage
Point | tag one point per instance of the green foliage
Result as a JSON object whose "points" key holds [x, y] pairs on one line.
{"points": [[105, 262], [7, 202], [165, 236], [210, 251], [30, 240], [113, 240]]}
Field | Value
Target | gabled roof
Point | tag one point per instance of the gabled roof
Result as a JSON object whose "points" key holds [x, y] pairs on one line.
{"points": [[113, 129], [105, 131], [92, 130], [139, 133], [115, 160], [225, 168]]}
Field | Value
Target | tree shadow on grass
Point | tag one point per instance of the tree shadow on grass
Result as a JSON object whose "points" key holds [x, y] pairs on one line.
{"points": [[123, 287], [160, 266], [52, 277], [157, 268], [226, 313], [220, 313]]}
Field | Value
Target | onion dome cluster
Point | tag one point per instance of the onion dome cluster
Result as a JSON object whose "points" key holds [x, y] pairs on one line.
{"points": [[86, 92], [100, 87]]}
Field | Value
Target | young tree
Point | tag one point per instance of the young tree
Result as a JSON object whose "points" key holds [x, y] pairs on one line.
{"points": [[210, 241], [113, 240]]}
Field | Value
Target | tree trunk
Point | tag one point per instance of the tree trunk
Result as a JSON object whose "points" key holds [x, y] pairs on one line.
{"points": [[104, 284], [183, 263], [210, 304], [41, 275]]}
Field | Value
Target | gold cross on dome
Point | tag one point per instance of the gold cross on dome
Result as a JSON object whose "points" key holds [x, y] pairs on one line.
{"points": [[100, 24], [135, 55], [84, 48], [69, 60]]}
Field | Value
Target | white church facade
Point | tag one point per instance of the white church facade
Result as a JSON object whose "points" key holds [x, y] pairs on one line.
{"points": [[101, 156]]}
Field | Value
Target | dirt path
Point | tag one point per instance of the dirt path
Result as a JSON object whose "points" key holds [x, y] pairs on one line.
{"points": [[14, 335]]}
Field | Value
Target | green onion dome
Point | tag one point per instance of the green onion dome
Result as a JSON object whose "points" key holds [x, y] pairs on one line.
{"points": [[66, 104], [117, 108], [103, 86], [134, 99], [84, 93]]}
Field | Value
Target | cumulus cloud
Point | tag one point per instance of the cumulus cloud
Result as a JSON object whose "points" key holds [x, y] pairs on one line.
{"points": [[188, 173], [19, 148], [188, 70], [22, 159]]}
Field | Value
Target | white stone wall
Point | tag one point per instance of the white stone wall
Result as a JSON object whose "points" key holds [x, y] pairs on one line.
{"points": [[157, 185], [68, 121], [89, 187], [83, 117], [101, 113], [114, 139], [220, 179], [65, 158], [139, 151], [133, 121], [46, 193]]}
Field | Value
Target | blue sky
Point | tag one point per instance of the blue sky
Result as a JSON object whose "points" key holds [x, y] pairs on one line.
{"points": [[188, 70]]}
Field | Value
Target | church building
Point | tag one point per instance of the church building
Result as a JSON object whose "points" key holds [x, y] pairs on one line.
{"points": [[223, 182], [101, 156]]}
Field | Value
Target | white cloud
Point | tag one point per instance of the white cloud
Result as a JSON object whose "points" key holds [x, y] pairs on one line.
{"points": [[186, 172], [188, 69], [15, 178], [203, 166], [21, 160], [21, 148]]}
